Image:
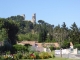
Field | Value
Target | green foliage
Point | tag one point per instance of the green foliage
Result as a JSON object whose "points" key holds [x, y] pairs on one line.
{"points": [[37, 55], [27, 45], [66, 45], [43, 35], [45, 55], [6, 47], [42, 31], [57, 48], [22, 37], [28, 55], [9, 30], [16, 18], [19, 55], [27, 37], [1, 58], [77, 46], [19, 48], [8, 52], [49, 38], [12, 30], [3, 34], [52, 48], [7, 57]]}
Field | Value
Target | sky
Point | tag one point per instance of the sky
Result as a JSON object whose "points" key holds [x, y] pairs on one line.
{"points": [[51, 11]]}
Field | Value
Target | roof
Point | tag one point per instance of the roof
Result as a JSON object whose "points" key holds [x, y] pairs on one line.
{"points": [[39, 44]]}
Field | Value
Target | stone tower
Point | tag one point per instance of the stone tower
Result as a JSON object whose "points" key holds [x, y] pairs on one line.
{"points": [[33, 18]]}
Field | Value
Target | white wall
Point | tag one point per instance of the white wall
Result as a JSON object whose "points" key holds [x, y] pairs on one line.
{"points": [[66, 51]]}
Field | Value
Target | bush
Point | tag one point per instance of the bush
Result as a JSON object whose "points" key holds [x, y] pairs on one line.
{"points": [[52, 48], [7, 57], [20, 48], [28, 55], [58, 48], [6, 47], [22, 37], [37, 55], [24, 56], [27, 45], [19, 55], [66, 45], [1, 58], [44, 55], [77, 46], [8, 52], [52, 55], [28, 36]]}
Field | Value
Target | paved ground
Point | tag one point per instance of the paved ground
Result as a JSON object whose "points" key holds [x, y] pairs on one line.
{"points": [[71, 56]]}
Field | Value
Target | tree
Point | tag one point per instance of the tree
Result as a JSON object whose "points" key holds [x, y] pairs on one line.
{"points": [[40, 37], [74, 27], [43, 34], [74, 34], [12, 30], [41, 22], [64, 33], [49, 38], [3, 34], [64, 25], [16, 18]]}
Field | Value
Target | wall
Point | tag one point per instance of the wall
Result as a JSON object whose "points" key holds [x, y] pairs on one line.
{"points": [[66, 51]]}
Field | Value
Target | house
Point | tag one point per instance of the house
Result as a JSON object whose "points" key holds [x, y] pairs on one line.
{"points": [[27, 42], [35, 43], [39, 46]]}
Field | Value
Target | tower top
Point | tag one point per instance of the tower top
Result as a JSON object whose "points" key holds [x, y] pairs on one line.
{"points": [[34, 14], [34, 18]]}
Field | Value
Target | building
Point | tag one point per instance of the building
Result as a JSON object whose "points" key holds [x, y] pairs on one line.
{"points": [[33, 18], [39, 46], [35, 43]]}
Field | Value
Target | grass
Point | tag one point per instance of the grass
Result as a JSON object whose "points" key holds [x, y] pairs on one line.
{"points": [[56, 58]]}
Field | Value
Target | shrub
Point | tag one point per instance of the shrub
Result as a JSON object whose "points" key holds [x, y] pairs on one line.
{"points": [[58, 48], [20, 48], [7, 57], [6, 47], [24, 56], [44, 55], [52, 55], [1, 58], [8, 52], [52, 48], [27, 45], [77, 46], [37, 55], [28, 55], [19, 55], [66, 45], [32, 56]]}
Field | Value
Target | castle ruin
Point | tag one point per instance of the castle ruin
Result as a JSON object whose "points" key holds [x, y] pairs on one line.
{"points": [[33, 20]]}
